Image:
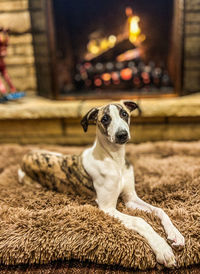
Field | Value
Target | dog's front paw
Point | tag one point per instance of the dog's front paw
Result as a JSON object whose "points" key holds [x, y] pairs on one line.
{"points": [[175, 237], [164, 254]]}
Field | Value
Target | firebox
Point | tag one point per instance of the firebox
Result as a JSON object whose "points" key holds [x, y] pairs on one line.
{"points": [[109, 49]]}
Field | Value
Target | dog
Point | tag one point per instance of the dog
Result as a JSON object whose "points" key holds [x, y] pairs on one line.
{"points": [[103, 170]]}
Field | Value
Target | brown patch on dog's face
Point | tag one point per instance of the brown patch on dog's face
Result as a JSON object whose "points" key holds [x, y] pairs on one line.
{"points": [[123, 113], [104, 119]]}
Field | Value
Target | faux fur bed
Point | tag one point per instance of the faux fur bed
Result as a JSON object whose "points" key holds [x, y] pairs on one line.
{"points": [[39, 226]]}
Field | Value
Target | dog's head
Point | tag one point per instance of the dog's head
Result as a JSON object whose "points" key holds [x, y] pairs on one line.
{"points": [[112, 120]]}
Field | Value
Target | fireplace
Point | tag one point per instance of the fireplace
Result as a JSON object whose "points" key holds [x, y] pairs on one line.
{"points": [[109, 49]]}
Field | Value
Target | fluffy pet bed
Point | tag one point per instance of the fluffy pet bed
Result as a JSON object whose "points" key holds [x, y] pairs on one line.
{"points": [[41, 226]]}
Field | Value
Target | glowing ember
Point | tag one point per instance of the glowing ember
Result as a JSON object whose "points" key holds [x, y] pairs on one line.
{"points": [[97, 82], [106, 77], [129, 55], [126, 74], [115, 76]]}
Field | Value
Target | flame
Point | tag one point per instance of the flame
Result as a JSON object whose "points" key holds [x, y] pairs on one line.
{"points": [[134, 29], [135, 36], [112, 39], [97, 46], [93, 47]]}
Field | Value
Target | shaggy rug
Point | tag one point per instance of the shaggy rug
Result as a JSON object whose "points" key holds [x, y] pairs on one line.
{"points": [[41, 226]]}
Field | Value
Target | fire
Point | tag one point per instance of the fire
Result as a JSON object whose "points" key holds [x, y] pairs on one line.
{"points": [[135, 35], [132, 31], [97, 46]]}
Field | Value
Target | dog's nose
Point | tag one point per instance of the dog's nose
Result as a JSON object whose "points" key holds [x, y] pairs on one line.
{"points": [[121, 136]]}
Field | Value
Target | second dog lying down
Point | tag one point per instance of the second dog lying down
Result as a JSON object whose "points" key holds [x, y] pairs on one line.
{"points": [[103, 171]]}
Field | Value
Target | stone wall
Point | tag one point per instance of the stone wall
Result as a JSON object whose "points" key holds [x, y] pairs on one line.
{"points": [[192, 46], [14, 14]]}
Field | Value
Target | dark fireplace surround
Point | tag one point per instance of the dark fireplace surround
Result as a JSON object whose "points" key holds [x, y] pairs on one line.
{"points": [[51, 69]]}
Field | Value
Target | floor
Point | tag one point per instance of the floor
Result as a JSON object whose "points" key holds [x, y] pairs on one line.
{"points": [[76, 267]]}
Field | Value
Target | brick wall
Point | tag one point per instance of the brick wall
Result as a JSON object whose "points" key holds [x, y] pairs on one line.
{"points": [[192, 46], [14, 14]]}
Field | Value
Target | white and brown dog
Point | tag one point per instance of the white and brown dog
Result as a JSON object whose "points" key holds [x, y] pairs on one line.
{"points": [[103, 169]]}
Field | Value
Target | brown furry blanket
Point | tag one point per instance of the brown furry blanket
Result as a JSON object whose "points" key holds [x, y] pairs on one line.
{"points": [[39, 226]]}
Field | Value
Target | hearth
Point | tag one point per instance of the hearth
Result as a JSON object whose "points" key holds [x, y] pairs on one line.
{"points": [[109, 49]]}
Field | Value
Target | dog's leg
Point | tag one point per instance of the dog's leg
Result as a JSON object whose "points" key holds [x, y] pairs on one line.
{"points": [[133, 201], [46, 168], [162, 250], [172, 232]]}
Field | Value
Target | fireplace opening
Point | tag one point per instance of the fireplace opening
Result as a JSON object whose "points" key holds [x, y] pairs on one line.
{"points": [[110, 49]]}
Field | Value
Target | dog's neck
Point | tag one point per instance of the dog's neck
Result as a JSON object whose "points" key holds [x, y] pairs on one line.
{"points": [[102, 148]]}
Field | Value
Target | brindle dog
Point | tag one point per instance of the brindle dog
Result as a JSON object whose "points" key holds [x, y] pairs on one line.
{"points": [[103, 171]]}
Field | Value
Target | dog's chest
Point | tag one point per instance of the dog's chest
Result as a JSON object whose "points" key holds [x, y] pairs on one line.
{"points": [[121, 181], [107, 173], [113, 173]]}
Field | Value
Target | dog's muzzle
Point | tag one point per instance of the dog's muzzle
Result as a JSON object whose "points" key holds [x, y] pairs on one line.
{"points": [[121, 137]]}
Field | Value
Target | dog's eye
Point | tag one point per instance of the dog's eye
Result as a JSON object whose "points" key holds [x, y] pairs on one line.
{"points": [[124, 114], [105, 119]]}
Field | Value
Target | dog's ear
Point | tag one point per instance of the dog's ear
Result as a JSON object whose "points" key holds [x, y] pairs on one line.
{"points": [[131, 106], [90, 118]]}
